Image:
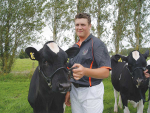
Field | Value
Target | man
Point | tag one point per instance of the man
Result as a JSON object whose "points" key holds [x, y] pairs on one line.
{"points": [[90, 66]]}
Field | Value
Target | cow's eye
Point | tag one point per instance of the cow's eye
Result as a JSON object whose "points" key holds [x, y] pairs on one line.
{"points": [[45, 62]]}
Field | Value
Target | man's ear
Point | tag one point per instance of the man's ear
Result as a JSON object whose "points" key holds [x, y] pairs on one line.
{"points": [[32, 53], [72, 52]]}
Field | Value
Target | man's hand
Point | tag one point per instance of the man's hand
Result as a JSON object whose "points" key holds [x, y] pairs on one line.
{"points": [[78, 72], [67, 99], [147, 75]]}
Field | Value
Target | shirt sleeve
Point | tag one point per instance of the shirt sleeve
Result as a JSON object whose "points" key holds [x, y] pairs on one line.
{"points": [[101, 55]]}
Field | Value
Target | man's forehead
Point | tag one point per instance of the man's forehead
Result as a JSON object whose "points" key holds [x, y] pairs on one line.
{"points": [[81, 21]]}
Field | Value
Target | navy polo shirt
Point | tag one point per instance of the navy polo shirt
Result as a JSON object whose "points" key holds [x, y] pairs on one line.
{"points": [[85, 58]]}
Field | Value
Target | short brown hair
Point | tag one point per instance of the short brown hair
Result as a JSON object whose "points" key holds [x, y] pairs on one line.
{"points": [[84, 15]]}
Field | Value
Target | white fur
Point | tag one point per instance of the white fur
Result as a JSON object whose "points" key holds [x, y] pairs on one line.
{"points": [[64, 106], [120, 102], [140, 106], [135, 55], [126, 110], [115, 105], [134, 104], [148, 62], [53, 46]]}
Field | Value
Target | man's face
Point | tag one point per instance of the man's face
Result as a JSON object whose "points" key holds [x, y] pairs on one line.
{"points": [[82, 27]]}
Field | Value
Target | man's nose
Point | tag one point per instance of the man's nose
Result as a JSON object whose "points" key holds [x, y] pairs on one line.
{"points": [[80, 27]]}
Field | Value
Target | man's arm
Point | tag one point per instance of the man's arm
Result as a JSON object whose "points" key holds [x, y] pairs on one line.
{"points": [[67, 99], [80, 71]]}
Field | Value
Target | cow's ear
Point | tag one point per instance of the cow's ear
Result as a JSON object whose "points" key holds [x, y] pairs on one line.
{"points": [[146, 54], [73, 51], [120, 58], [32, 53]]}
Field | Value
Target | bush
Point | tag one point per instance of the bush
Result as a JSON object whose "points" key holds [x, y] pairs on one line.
{"points": [[23, 54]]}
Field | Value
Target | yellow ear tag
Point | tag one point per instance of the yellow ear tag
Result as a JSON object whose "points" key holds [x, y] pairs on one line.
{"points": [[68, 60], [32, 55], [120, 60]]}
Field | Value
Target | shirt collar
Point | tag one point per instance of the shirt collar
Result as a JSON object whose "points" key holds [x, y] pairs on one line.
{"points": [[88, 38]]}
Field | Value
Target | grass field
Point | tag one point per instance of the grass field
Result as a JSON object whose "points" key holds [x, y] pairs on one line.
{"points": [[14, 90]]}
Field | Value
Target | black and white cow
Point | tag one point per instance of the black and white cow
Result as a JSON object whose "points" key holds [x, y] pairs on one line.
{"points": [[49, 82], [129, 80]]}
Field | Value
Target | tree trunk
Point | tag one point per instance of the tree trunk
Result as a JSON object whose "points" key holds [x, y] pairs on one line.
{"points": [[137, 21]]}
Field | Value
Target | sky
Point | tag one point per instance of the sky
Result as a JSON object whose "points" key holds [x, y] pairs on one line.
{"points": [[47, 36]]}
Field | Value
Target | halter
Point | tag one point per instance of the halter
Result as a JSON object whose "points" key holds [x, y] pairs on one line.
{"points": [[49, 79], [131, 73]]}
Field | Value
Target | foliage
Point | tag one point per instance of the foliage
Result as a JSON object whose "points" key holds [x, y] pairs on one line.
{"points": [[139, 23], [102, 15], [20, 21], [131, 23], [116, 21], [23, 54], [127, 51], [58, 18]]}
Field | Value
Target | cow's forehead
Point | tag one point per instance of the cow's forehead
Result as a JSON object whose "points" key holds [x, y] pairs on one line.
{"points": [[135, 55], [53, 46]]}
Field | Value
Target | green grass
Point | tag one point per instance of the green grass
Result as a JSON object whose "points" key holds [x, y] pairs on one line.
{"points": [[22, 65], [14, 91], [13, 96]]}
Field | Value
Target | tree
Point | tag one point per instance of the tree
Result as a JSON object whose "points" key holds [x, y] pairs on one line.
{"points": [[20, 21], [58, 18], [132, 23], [139, 19], [119, 26], [101, 14], [23, 54]]}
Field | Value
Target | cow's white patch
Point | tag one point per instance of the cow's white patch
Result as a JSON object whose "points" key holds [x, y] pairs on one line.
{"points": [[135, 55], [148, 62], [120, 102], [140, 106], [115, 105], [64, 106], [126, 110], [133, 103], [53, 46]]}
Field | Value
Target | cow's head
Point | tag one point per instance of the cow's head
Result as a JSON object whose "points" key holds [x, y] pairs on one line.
{"points": [[136, 64], [52, 65]]}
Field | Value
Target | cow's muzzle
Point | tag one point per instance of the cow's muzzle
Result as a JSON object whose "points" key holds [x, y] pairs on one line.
{"points": [[139, 82], [64, 87]]}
